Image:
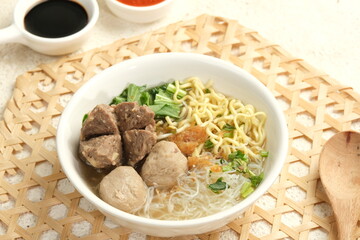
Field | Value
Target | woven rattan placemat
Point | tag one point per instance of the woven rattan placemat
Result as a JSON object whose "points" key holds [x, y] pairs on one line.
{"points": [[296, 207]]}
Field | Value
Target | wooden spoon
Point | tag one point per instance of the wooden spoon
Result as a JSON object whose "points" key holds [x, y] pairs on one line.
{"points": [[340, 175]]}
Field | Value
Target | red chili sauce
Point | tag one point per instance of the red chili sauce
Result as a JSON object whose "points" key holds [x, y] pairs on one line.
{"points": [[140, 3]]}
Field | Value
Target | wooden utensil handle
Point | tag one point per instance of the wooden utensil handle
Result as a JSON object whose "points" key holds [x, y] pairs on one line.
{"points": [[347, 214], [345, 232]]}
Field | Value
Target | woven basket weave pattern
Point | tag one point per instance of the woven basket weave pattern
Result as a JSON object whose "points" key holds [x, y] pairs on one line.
{"points": [[316, 106]]}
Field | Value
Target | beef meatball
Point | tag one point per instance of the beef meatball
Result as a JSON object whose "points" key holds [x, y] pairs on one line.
{"points": [[132, 116], [164, 165], [101, 152], [124, 189], [137, 144], [101, 121]]}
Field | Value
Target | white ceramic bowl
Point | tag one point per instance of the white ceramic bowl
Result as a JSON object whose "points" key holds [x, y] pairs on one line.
{"points": [[152, 70], [139, 14]]}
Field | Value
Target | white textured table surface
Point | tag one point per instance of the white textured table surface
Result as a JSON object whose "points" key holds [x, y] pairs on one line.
{"points": [[325, 33]]}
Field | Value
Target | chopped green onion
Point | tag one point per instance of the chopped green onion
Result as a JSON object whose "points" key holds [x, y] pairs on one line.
{"points": [[227, 168], [229, 134], [256, 180], [85, 117], [234, 164], [208, 144], [250, 173], [222, 161], [207, 90], [228, 127], [264, 153], [218, 185], [245, 186], [246, 189], [238, 155]]}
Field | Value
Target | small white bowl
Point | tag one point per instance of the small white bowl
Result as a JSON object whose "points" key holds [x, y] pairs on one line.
{"points": [[152, 70], [16, 32], [139, 14]]}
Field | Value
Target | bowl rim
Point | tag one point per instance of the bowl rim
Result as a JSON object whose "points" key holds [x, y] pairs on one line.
{"points": [[141, 8], [179, 224]]}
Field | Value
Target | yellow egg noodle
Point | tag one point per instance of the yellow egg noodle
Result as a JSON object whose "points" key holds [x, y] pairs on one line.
{"points": [[213, 110], [207, 108]]}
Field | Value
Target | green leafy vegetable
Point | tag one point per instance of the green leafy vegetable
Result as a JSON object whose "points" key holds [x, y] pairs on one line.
{"points": [[163, 97], [121, 98], [159, 99], [218, 185], [134, 92], [163, 110], [172, 89], [153, 91], [208, 144], [116, 100], [146, 99], [207, 90]]}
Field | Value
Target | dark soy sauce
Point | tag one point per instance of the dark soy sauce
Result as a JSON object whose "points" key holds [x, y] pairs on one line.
{"points": [[56, 18]]}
